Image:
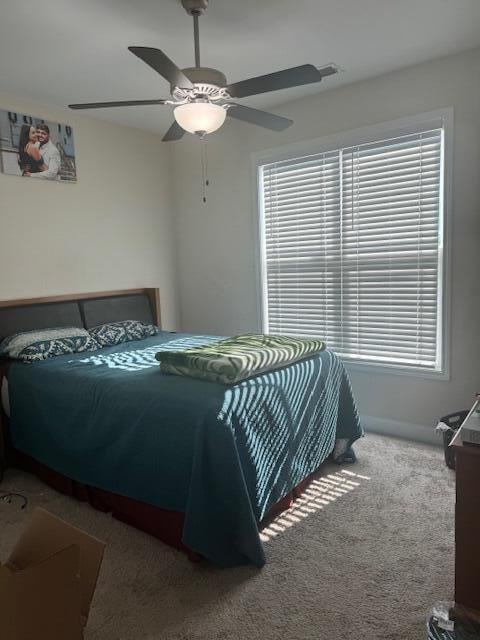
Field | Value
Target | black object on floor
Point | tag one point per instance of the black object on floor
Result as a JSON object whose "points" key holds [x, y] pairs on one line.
{"points": [[465, 628], [454, 421]]}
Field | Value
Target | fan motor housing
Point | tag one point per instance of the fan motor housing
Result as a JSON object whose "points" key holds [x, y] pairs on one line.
{"points": [[204, 76], [195, 7]]}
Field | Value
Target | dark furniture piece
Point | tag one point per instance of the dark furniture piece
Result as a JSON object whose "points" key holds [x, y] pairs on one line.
{"points": [[3, 441], [2, 448], [467, 522]]}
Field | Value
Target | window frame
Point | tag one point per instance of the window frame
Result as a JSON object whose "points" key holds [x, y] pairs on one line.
{"points": [[354, 137]]}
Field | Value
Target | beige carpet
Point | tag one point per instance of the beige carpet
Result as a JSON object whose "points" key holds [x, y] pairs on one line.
{"points": [[362, 557]]}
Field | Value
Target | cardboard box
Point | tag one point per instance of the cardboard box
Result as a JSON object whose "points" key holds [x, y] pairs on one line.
{"points": [[48, 582]]}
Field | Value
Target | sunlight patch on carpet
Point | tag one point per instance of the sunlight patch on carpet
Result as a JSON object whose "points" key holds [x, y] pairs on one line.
{"points": [[320, 493]]}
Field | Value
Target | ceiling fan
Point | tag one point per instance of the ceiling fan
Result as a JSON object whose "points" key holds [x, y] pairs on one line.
{"points": [[201, 96]]}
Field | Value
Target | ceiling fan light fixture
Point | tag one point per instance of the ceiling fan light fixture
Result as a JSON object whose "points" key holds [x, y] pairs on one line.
{"points": [[200, 117], [201, 95]]}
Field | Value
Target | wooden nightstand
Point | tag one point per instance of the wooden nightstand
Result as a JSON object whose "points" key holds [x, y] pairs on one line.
{"points": [[467, 522]]}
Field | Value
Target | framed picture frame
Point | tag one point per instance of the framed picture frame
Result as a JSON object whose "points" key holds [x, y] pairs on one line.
{"points": [[33, 147]]}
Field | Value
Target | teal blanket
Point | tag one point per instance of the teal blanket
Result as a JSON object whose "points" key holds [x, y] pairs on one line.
{"points": [[221, 455], [235, 359]]}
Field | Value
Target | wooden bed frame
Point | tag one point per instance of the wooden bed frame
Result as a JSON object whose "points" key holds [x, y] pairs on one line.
{"points": [[152, 293]]}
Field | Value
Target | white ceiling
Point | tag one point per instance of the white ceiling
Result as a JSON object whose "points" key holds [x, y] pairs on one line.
{"points": [[62, 51]]}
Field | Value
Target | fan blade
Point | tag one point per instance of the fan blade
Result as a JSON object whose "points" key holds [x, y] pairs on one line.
{"points": [[121, 103], [294, 77], [260, 118], [162, 65], [174, 133]]}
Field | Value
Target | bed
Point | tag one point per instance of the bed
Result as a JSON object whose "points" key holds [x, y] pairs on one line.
{"points": [[197, 464]]}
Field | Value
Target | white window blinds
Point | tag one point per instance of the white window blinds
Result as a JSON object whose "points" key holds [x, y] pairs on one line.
{"points": [[352, 249]]}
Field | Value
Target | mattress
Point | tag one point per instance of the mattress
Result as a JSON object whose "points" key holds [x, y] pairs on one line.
{"points": [[220, 455]]}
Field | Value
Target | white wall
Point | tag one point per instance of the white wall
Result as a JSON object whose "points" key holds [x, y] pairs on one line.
{"points": [[216, 252], [113, 229]]}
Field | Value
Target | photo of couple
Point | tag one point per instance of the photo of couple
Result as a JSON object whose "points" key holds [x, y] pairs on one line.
{"points": [[38, 157], [33, 148]]}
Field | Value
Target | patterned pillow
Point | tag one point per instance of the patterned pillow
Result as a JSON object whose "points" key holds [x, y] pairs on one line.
{"points": [[29, 346], [108, 335]]}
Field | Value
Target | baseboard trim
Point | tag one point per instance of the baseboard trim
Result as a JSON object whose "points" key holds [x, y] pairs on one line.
{"points": [[406, 430]]}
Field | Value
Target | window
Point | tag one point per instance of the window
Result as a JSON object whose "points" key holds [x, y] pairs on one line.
{"points": [[352, 248]]}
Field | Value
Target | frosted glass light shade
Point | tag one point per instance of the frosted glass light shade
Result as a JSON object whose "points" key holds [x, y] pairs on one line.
{"points": [[200, 117]]}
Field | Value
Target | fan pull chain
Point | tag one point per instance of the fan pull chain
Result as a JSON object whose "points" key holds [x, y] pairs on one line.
{"points": [[204, 160]]}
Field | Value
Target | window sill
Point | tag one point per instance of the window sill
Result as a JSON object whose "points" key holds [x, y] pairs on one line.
{"points": [[386, 369]]}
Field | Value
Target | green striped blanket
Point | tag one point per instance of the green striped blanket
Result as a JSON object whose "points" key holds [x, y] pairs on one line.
{"points": [[234, 359]]}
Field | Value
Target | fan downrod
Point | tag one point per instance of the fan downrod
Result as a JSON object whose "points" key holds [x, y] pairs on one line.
{"points": [[195, 7]]}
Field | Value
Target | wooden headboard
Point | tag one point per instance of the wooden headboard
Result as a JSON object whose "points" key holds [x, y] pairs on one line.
{"points": [[79, 310]]}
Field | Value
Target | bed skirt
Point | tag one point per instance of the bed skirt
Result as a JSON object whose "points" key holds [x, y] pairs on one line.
{"points": [[163, 524]]}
